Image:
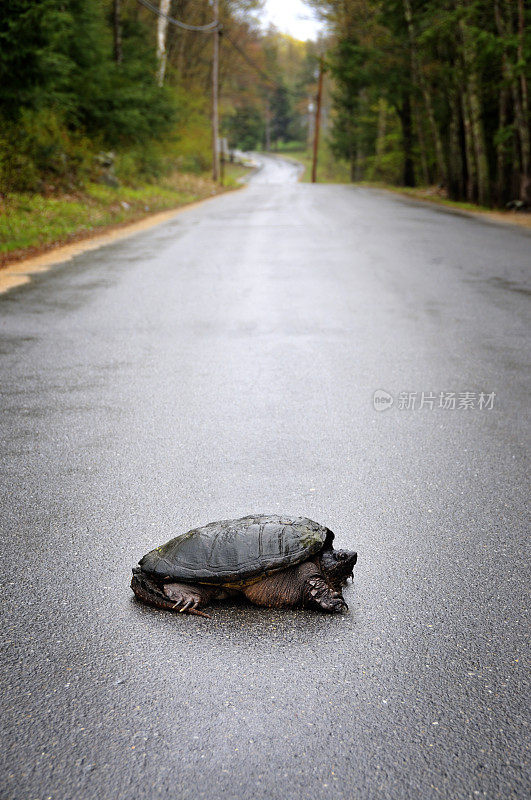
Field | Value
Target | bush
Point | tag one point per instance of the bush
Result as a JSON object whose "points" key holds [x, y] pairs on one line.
{"points": [[192, 144], [63, 98], [143, 163], [41, 154], [245, 128]]}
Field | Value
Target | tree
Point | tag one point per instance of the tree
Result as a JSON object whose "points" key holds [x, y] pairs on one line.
{"points": [[454, 72]]}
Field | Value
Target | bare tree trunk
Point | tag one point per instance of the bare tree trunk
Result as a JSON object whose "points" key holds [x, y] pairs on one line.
{"points": [[181, 54], [480, 149], [523, 121], [380, 136], [215, 97], [500, 147], [267, 125], [471, 179], [117, 31], [519, 95], [182, 37], [353, 147], [456, 182], [353, 163], [404, 112], [162, 29], [360, 169], [422, 143], [318, 102], [501, 189], [475, 119], [418, 77]]}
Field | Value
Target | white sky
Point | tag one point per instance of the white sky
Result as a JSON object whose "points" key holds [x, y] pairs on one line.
{"points": [[291, 16]]}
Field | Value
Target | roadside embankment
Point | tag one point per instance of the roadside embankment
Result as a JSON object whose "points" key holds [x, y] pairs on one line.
{"points": [[331, 171], [32, 224]]}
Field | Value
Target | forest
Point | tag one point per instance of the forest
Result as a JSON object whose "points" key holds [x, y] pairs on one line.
{"points": [[434, 92], [419, 92], [82, 78]]}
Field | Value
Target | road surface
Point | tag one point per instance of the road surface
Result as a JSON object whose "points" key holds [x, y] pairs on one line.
{"points": [[226, 363]]}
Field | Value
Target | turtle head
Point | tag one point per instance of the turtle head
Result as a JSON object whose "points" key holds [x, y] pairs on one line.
{"points": [[338, 566]]}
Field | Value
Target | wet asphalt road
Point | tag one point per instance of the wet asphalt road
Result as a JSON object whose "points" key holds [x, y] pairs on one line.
{"points": [[225, 363]]}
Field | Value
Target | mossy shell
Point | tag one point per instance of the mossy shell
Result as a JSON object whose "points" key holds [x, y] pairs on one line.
{"points": [[237, 551]]}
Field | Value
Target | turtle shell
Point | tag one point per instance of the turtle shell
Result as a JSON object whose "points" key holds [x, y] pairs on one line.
{"points": [[234, 551]]}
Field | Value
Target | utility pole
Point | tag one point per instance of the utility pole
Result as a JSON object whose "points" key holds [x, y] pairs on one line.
{"points": [[317, 120], [215, 90]]}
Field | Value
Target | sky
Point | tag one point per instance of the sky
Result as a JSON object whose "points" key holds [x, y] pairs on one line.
{"points": [[291, 16]]}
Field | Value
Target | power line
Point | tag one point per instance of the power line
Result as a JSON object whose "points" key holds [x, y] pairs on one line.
{"points": [[273, 84], [250, 61], [212, 26], [215, 28]]}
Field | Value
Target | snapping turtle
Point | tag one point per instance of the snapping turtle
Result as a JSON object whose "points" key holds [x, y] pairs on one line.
{"points": [[275, 561]]}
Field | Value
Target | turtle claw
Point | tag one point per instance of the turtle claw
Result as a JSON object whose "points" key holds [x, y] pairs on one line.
{"points": [[320, 595], [190, 608], [186, 598], [335, 604], [198, 613]]}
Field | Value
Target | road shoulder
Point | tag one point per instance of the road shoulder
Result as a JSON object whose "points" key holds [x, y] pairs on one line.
{"points": [[19, 272]]}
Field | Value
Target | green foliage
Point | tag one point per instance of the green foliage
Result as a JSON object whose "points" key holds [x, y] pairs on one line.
{"points": [[192, 145], [66, 94], [63, 97], [35, 69], [245, 128], [329, 168], [454, 75], [121, 103], [40, 153], [35, 221], [281, 114]]}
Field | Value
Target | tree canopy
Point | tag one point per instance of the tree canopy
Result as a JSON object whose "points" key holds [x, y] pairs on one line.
{"points": [[81, 76], [434, 91]]}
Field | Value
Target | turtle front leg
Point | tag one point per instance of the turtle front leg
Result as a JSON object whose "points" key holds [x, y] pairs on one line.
{"points": [[303, 585], [318, 594]]}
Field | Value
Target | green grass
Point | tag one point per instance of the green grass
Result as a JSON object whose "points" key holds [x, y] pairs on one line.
{"points": [[428, 193], [288, 147], [331, 171], [328, 169], [233, 172], [30, 222]]}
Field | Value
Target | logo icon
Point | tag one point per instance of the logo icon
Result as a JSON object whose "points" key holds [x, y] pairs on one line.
{"points": [[382, 400]]}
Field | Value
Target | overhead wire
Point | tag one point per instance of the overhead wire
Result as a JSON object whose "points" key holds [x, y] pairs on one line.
{"points": [[211, 26], [250, 61], [272, 83]]}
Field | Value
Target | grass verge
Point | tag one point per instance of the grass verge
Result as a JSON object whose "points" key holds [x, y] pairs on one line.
{"points": [[31, 224], [431, 194], [329, 171]]}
